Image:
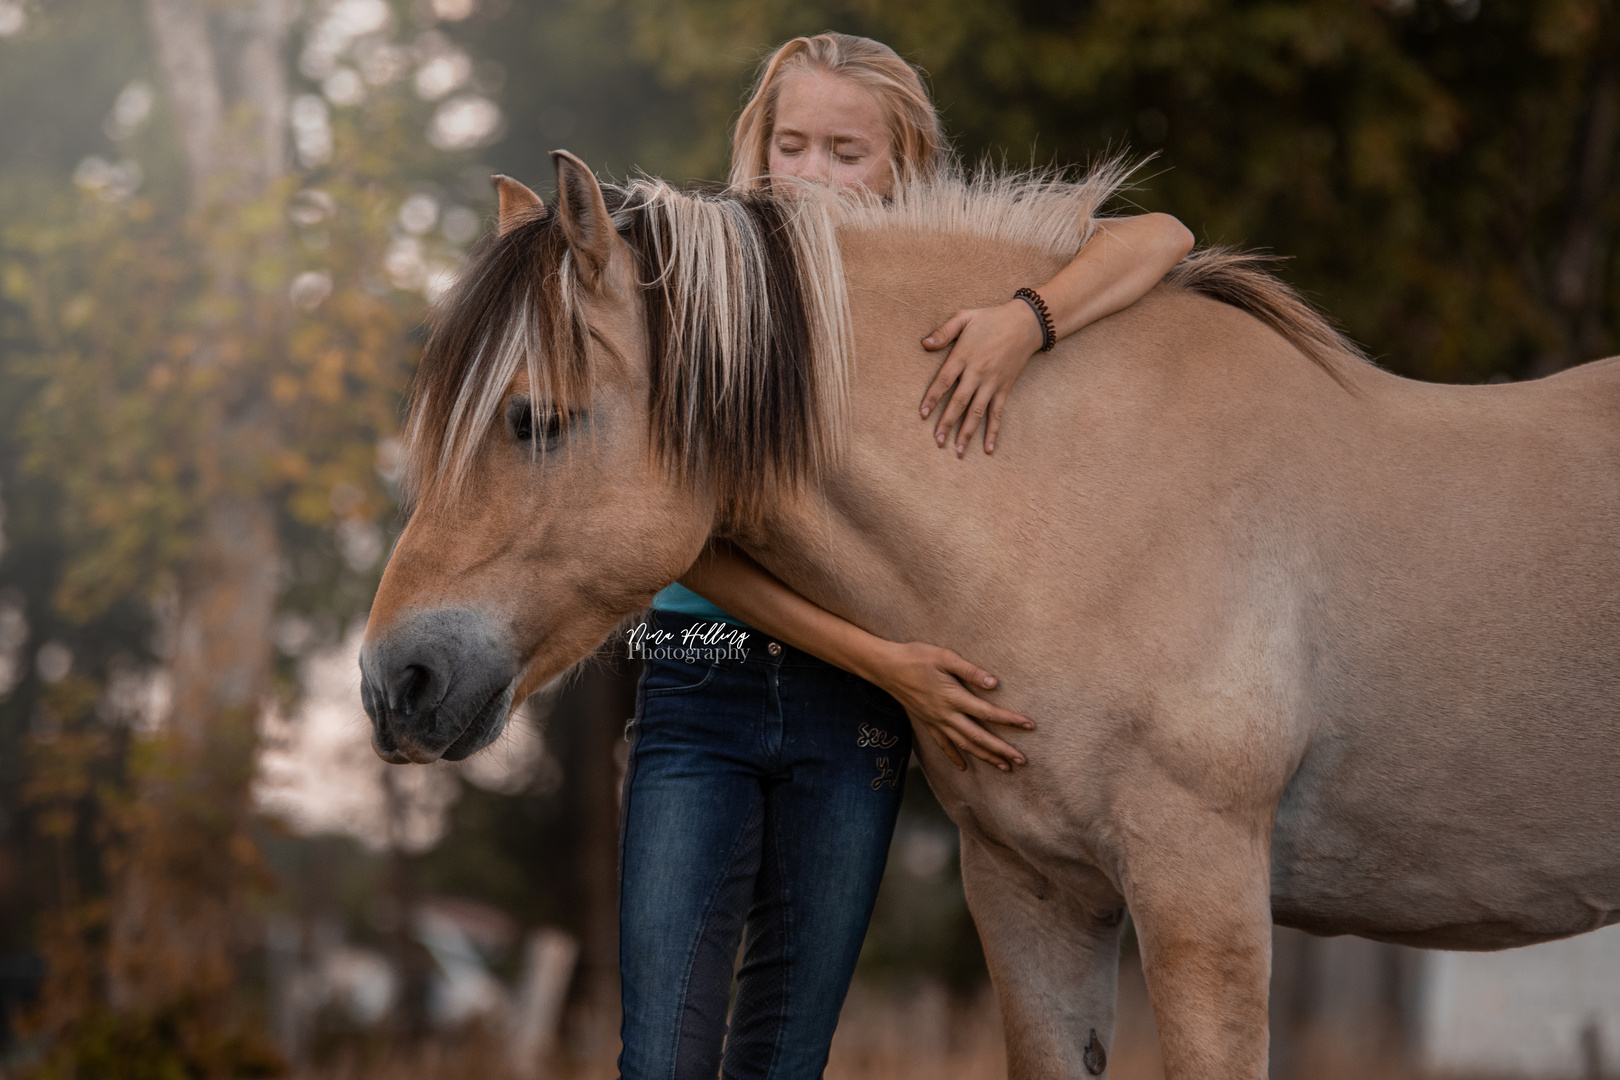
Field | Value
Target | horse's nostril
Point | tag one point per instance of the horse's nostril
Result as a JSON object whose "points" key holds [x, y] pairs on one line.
{"points": [[407, 688]]}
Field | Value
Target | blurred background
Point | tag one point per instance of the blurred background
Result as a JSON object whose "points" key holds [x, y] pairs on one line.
{"points": [[221, 222]]}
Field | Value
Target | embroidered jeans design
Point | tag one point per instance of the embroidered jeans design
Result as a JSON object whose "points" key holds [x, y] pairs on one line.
{"points": [[875, 737]]}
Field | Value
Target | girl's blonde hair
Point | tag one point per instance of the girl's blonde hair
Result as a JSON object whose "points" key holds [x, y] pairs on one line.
{"points": [[918, 141]]}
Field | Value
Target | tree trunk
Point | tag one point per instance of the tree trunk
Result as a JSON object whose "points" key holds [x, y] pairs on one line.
{"points": [[222, 662], [589, 720], [175, 929], [186, 56], [1578, 275]]}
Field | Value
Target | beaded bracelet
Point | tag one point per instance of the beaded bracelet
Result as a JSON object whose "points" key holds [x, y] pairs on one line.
{"points": [[1038, 306]]}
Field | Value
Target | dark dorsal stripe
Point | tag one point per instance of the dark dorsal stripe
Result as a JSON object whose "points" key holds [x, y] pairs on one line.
{"points": [[752, 426]]}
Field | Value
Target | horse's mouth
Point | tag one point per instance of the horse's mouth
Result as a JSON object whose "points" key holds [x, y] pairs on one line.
{"points": [[484, 727], [480, 730], [412, 752]]}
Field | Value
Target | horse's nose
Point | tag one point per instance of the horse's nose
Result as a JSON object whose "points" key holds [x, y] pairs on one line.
{"points": [[402, 702], [438, 682]]}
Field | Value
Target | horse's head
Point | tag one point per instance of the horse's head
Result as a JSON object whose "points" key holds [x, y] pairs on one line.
{"points": [[610, 379], [542, 513]]}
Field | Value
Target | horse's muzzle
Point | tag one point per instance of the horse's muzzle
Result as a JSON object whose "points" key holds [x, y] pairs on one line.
{"points": [[437, 684]]}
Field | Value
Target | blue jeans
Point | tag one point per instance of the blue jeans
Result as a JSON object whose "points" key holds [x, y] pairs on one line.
{"points": [[761, 793]]}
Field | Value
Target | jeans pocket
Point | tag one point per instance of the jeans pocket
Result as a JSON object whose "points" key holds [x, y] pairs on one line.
{"points": [[666, 677]]}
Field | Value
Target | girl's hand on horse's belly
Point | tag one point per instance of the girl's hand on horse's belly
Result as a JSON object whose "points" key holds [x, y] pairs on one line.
{"points": [[992, 346], [928, 680]]}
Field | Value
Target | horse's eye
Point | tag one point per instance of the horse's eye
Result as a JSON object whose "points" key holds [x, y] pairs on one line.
{"points": [[549, 430], [520, 418]]}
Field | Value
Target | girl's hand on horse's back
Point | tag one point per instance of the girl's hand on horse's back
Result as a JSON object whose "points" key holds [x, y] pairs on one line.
{"points": [[932, 683], [991, 347]]}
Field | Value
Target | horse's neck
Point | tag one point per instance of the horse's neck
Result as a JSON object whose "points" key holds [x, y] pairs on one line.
{"points": [[896, 519]]}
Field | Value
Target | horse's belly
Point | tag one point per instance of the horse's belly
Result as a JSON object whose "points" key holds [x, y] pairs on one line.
{"points": [[1379, 842], [1407, 913]]}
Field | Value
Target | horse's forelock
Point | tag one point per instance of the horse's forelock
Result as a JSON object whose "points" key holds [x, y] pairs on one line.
{"points": [[511, 309], [745, 372]]}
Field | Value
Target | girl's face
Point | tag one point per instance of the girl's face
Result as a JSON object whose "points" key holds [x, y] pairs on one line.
{"points": [[830, 129]]}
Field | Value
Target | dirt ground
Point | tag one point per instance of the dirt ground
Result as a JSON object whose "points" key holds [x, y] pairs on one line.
{"points": [[920, 1034]]}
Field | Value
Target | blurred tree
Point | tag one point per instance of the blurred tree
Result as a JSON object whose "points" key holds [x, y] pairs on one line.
{"points": [[206, 374], [575, 81], [1439, 171]]}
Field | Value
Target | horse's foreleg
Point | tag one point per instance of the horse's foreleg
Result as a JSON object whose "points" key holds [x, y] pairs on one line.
{"points": [[1199, 893], [1054, 960]]}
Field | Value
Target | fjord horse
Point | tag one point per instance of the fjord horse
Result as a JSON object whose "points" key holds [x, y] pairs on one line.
{"points": [[1305, 641]]}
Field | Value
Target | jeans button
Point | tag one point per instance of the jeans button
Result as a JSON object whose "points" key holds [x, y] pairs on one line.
{"points": [[774, 649]]}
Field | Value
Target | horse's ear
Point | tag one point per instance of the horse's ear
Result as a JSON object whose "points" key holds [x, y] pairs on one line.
{"points": [[517, 203], [584, 217]]}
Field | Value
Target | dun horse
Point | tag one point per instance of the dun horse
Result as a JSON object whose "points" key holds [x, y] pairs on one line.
{"points": [[1305, 641]]}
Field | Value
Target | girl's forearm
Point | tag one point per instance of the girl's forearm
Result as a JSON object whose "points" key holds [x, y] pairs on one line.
{"points": [[1123, 260], [930, 682], [731, 580]]}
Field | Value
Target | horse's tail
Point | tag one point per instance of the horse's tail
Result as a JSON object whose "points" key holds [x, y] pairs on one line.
{"points": [[1243, 279]]}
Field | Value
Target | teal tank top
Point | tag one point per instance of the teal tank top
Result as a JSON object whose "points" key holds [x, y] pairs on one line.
{"points": [[680, 600]]}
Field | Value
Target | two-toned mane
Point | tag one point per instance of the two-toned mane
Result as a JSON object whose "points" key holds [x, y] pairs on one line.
{"points": [[747, 315], [1303, 641]]}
